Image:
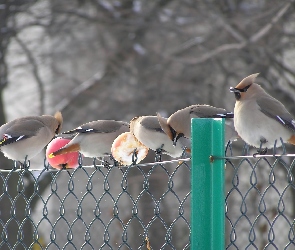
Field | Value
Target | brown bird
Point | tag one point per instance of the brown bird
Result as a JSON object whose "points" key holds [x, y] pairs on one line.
{"points": [[25, 137], [260, 119], [93, 139], [179, 123], [149, 132]]}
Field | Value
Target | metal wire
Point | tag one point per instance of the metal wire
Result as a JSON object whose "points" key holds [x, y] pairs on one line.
{"points": [[260, 201], [144, 206], [94, 207]]}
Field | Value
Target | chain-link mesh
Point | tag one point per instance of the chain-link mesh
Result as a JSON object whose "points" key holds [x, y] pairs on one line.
{"points": [[260, 202], [145, 206], [138, 207]]}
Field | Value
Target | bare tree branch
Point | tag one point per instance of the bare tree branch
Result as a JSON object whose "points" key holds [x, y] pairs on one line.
{"points": [[114, 60], [231, 30], [262, 32], [82, 15], [280, 63], [78, 90], [35, 71], [187, 45], [211, 54], [237, 46]]}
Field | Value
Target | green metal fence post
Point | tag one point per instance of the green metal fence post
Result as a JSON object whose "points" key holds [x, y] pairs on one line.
{"points": [[207, 183]]}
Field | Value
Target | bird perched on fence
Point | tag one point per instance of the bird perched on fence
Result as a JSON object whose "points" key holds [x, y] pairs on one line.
{"points": [[23, 138], [179, 123], [93, 139], [149, 132], [260, 119]]}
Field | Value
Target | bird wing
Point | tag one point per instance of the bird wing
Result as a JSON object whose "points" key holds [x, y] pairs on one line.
{"points": [[81, 129], [19, 130], [101, 126], [276, 110], [206, 111], [7, 139], [151, 123]]}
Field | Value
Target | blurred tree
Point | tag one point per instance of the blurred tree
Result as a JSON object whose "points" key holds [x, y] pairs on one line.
{"points": [[5, 35], [10, 229], [118, 59]]}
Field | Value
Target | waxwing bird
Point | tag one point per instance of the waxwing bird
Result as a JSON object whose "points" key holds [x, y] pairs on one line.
{"points": [[149, 132], [23, 138], [179, 123], [93, 139], [260, 119]]}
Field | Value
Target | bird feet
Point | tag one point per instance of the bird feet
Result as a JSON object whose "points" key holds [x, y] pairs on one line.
{"points": [[159, 152], [24, 165], [108, 165], [261, 150], [134, 157]]}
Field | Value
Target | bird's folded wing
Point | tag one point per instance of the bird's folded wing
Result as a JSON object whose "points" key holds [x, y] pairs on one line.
{"points": [[81, 130], [276, 110], [20, 131], [102, 126], [206, 111], [8, 139]]}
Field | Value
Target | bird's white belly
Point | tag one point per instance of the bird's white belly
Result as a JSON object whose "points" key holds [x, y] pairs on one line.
{"points": [[158, 140], [20, 150], [253, 127], [96, 144]]}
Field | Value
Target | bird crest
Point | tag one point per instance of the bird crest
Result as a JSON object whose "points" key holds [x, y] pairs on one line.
{"points": [[246, 82]]}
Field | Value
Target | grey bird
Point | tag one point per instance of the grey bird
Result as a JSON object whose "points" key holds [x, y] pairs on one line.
{"points": [[25, 137], [94, 139], [260, 119], [179, 123], [149, 132]]}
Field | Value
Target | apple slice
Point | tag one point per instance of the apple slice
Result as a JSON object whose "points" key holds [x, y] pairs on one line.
{"points": [[124, 147]]}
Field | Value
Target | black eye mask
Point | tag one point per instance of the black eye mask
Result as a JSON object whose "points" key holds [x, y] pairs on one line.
{"points": [[240, 90]]}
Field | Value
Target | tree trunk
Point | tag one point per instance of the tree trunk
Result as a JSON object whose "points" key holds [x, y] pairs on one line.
{"points": [[16, 229]]}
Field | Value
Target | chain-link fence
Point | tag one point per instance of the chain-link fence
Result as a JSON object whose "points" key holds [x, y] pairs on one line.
{"points": [[145, 206], [138, 207], [260, 202]]}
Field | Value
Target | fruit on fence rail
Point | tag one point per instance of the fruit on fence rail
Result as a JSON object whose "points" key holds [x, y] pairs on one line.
{"points": [[126, 149], [64, 161]]}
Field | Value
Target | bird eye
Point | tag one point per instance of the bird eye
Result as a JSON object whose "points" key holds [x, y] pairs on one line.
{"points": [[237, 95]]}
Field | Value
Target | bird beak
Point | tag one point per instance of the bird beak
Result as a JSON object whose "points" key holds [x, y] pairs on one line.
{"points": [[232, 89], [236, 90]]}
